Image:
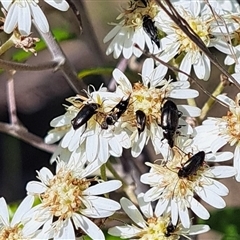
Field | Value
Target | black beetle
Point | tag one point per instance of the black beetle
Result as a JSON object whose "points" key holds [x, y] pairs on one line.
{"points": [[192, 165], [169, 121], [84, 114], [150, 29], [141, 120], [112, 117], [169, 229]]}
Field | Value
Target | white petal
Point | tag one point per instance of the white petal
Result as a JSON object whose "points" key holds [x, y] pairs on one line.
{"points": [[4, 212], [61, 5], [124, 232], [133, 213], [217, 188], [103, 187], [145, 207], [161, 206], [183, 214], [11, 19], [45, 175], [24, 19], [25, 205], [223, 171], [199, 209], [88, 227], [67, 231], [92, 146], [183, 93], [211, 198], [112, 33], [147, 69], [185, 66], [219, 156], [35, 187], [39, 18], [198, 229], [121, 78], [189, 111], [236, 162]]}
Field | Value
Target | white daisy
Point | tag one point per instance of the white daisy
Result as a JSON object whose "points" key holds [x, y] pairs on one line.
{"points": [[175, 183], [15, 228], [149, 225], [217, 132], [202, 22], [148, 97], [80, 139], [21, 12], [130, 30], [69, 202]]}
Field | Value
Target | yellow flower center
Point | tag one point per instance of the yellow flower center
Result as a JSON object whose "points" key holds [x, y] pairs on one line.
{"points": [[148, 100], [157, 230], [133, 16], [200, 27], [174, 185], [233, 123], [63, 195], [12, 233]]}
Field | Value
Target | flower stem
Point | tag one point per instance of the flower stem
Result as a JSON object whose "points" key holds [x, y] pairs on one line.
{"points": [[7, 45], [207, 106], [115, 174], [103, 172]]}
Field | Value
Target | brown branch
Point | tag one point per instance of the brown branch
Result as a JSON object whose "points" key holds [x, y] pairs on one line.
{"points": [[11, 101], [23, 134]]}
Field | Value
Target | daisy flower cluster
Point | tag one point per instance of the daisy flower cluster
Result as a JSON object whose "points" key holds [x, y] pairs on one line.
{"points": [[155, 108]]}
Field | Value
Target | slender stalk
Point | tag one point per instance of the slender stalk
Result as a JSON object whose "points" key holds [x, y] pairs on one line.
{"points": [[115, 174], [64, 65], [23, 134], [207, 106], [7, 45], [11, 101], [103, 172]]}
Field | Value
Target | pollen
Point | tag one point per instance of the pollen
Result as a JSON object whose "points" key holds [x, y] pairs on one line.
{"points": [[200, 27], [133, 15], [63, 195], [232, 121], [157, 229], [12, 233], [148, 100], [176, 187]]}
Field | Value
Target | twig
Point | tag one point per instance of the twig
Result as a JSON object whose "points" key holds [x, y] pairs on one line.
{"points": [[11, 101], [9, 65], [23, 134], [72, 5], [65, 66], [122, 65]]}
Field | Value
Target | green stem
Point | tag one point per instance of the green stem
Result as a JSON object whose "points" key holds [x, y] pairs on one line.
{"points": [[115, 174], [7, 45], [207, 106], [103, 172]]}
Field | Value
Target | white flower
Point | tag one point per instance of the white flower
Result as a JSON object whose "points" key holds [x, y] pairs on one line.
{"points": [[130, 30], [205, 26], [148, 97], [21, 12], [16, 228], [98, 143], [68, 201], [150, 225], [174, 184], [217, 132]]}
